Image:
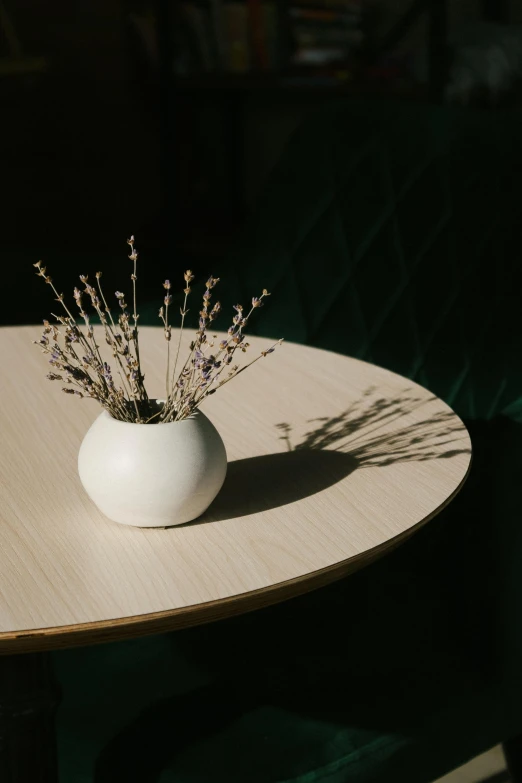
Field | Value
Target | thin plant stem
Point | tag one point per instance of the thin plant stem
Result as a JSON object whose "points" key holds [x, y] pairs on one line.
{"points": [[134, 257], [183, 314], [112, 343], [110, 327]]}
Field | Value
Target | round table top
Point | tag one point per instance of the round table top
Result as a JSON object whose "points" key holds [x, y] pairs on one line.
{"points": [[332, 461]]}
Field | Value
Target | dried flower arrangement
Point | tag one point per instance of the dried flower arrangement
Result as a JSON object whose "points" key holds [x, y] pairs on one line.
{"points": [[79, 363]]}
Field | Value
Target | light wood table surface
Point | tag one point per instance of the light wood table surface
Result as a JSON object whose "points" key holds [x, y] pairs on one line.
{"points": [[332, 461]]}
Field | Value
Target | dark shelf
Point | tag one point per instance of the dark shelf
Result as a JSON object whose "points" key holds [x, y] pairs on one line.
{"points": [[292, 83], [250, 82]]}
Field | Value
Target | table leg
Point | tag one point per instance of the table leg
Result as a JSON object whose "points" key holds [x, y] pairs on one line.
{"points": [[28, 700]]}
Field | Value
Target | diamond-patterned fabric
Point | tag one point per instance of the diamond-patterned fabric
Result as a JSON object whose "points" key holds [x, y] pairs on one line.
{"points": [[392, 233]]}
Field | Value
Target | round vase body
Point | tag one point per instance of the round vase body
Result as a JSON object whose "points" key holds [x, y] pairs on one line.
{"points": [[152, 475]]}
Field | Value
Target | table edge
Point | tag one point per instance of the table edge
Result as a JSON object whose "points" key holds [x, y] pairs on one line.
{"points": [[135, 626]]}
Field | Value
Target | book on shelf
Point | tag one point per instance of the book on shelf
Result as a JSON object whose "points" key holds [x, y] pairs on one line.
{"points": [[238, 55], [217, 32], [260, 58], [272, 35], [324, 34], [198, 18], [264, 35]]}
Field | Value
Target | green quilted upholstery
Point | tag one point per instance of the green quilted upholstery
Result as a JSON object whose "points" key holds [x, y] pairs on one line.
{"points": [[391, 233]]}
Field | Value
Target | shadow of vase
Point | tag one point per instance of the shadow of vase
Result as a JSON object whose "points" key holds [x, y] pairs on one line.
{"points": [[256, 484]]}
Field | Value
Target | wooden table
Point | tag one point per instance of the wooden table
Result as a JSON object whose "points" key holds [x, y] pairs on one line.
{"points": [[332, 462]]}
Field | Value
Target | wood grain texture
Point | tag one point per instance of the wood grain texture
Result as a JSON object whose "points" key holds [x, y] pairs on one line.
{"points": [[332, 461]]}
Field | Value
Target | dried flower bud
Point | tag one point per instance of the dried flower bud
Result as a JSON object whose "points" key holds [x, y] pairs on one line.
{"points": [[98, 275], [168, 299], [256, 302], [131, 240], [272, 349], [119, 295], [160, 312], [166, 285], [188, 276], [84, 278], [186, 291], [265, 292]]}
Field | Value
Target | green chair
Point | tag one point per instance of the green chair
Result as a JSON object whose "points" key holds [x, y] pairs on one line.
{"points": [[392, 233]]}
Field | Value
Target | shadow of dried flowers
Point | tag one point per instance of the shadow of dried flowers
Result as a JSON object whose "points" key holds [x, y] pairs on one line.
{"points": [[355, 431], [336, 447]]}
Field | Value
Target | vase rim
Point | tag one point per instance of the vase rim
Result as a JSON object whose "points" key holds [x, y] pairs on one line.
{"points": [[110, 417]]}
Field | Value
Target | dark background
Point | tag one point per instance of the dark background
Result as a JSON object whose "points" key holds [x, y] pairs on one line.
{"points": [[101, 137]]}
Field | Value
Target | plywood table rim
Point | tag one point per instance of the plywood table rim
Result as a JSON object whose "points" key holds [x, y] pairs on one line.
{"points": [[161, 622]]}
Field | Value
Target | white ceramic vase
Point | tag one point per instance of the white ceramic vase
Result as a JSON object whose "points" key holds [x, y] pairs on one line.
{"points": [[152, 475]]}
